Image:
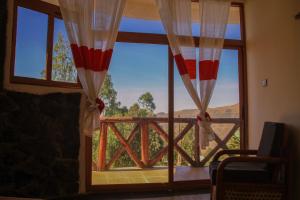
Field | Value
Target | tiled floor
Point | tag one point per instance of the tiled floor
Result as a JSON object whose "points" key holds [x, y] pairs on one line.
{"points": [[183, 197], [15, 198], [136, 176], [180, 197]]}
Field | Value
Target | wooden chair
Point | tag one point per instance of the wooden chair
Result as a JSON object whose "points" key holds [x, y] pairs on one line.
{"points": [[253, 174]]}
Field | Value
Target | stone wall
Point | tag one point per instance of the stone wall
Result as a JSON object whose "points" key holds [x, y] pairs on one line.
{"points": [[3, 22], [39, 144]]}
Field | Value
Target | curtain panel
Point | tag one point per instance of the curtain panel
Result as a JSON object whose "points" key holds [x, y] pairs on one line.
{"points": [[92, 27], [177, 21]]}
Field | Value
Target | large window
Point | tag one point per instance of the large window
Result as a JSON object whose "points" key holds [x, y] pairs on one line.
{"points": [[132, 145]]}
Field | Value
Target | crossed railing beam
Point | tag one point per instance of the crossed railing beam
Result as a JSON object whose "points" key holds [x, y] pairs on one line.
{"points": [[144, 125]]}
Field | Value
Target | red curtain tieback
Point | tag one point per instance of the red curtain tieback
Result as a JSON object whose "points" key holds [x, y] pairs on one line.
{"points": [[100, 104], [206, 115]]}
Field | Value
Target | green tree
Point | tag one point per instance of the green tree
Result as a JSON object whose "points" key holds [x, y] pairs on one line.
{"points": [[109, 96], [63, 68], [136, 111], [112, 108], [146, 101]]}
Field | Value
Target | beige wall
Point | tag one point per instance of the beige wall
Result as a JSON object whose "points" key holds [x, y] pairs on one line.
{"points": [[273, 50]]}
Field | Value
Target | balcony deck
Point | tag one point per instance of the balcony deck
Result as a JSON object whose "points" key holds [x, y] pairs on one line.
{"points": [[146, 168], [154, 175]]}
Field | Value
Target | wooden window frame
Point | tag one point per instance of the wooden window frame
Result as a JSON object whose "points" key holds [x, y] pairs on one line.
{"points": [[150, 38], [53, 12]]}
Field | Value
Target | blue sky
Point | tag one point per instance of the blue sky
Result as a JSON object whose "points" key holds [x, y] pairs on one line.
{"points": [[135, 68]]}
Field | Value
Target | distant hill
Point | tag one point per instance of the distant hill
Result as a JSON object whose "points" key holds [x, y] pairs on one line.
{"points": [[231, 111]]}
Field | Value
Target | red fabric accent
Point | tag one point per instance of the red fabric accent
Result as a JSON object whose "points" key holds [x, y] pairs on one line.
{"points": [[101, 105], [208, 69], [180, 64], [92, 59], [191, 68], [106, 59], [186, 66], [206, 115]]}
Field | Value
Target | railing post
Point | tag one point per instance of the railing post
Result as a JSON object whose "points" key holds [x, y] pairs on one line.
{"points": [[197, 145], [102, 147], [145, 143]]}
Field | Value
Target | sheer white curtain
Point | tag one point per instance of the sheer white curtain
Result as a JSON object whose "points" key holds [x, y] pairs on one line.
{"points": [[92, 27], [214, 17], [177, 21]]}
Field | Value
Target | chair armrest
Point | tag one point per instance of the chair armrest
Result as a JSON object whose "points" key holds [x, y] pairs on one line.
{"points": [[230, 152], [259, 159]]}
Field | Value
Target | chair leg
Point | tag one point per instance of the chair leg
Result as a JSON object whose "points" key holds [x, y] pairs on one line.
{"points": [[213, 192]]}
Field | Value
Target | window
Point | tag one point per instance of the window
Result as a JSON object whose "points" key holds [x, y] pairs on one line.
{"points": [[144, 74], [43, 57], [129, 78], [42, 53]]}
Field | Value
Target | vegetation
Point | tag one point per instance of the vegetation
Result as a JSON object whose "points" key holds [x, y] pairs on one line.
{"points": [[63, 68], [144, 107]]}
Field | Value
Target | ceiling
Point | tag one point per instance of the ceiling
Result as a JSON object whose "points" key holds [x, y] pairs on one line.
{"points": [[146, 9]]}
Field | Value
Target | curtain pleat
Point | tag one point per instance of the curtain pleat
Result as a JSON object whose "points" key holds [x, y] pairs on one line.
{"points": [[92, 27], [177, 21]]}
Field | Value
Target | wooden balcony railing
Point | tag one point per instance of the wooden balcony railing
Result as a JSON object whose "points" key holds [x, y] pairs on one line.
{"points": [[142, 126]]}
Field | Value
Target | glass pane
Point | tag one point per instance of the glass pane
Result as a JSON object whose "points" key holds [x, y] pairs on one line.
{"points": [[141, 26], [226, 93], [233, 30], [224, 105], [31, 46], [63, 68], [142, 17], [136, 94]]}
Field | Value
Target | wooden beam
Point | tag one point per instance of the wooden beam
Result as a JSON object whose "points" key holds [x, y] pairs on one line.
{"points": [[159, 131], [158, 156], [102, 148], [197, 152], [50, 36], [145, 143], [224, 141], [185, 155], [121, 149], [122, 140], [170, 116], [166, 120], [183, 132]]}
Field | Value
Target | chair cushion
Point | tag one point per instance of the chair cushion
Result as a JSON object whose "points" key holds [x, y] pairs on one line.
{"points": [[241, 172]]}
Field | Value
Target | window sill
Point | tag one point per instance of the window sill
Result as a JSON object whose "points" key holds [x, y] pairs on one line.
{"points": [[47, 83]]}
